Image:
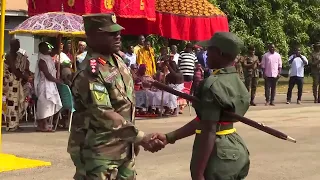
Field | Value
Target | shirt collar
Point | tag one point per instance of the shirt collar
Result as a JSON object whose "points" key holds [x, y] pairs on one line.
{"points": [[226, 70]]}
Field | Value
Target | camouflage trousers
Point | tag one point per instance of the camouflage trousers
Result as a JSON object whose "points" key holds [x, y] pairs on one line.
{"points": [[80, 171], [229, 159], [251, 84], [75, 143], [316, 86], [98, 169]]}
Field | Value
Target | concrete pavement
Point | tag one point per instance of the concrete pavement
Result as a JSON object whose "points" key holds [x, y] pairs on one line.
{"points": [[271, 158]]}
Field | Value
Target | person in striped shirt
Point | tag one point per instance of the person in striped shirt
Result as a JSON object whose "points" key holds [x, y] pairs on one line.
{"points": [[187, 62]]}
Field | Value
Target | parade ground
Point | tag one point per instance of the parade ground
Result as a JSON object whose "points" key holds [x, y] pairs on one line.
{"points": [[271, 158]]}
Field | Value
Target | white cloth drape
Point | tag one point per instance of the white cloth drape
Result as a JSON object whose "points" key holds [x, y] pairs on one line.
{"points": [[49, 101], [148, 98]]}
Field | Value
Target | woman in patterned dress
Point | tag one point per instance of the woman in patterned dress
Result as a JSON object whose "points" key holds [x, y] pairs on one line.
{"points": [[16, 73]]}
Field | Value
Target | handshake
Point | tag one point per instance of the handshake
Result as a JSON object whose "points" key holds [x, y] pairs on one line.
{"points": [[153, 142]]}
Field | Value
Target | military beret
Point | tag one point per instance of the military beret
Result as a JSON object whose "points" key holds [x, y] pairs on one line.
{"points": [[226, 42]]}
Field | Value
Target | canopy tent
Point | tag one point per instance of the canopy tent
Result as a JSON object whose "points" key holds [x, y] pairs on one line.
{"points": [[191, 20]]}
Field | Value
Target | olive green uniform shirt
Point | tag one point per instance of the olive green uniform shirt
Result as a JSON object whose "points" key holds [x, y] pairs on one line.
{"points": [[230, 156]]}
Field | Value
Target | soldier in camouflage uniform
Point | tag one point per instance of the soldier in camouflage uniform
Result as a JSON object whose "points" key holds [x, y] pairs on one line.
{"points": [[315, 71], [219, 153], [251, 72], [103, 136], [238, 64]]}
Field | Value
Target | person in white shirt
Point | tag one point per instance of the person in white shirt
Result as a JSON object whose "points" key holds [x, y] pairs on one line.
{"points": [[174, 52], [297, 63], [130, 57]]}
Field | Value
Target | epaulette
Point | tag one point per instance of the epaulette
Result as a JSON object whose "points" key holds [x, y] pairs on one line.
{"points": [[94, 64]]}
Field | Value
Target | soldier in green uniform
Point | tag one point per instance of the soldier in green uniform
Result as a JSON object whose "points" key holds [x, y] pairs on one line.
{"points": [[315, 71], [103, 135], [251, 73], [219, 153]]}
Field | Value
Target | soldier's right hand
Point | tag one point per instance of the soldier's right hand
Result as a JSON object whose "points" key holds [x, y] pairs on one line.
{"points": [[152, 144]]}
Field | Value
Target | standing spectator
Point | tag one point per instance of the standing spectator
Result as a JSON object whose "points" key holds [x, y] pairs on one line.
{"points": [[315, 71], [139, 45], [16, 74], [163, 55], [146, 56], [202, 57], [81, 53], [297, 63], [48, 102], [175, 54], [198, 77], [251, 73], [68, 50], [130, 57], [271, 65], [187, 62], [64, 58]]}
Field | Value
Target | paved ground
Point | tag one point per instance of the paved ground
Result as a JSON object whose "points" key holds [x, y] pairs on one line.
{"points": [[272, 159]]}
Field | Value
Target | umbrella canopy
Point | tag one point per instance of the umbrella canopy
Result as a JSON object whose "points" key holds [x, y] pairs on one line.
{"points": [[52, 24], [191, 20]]}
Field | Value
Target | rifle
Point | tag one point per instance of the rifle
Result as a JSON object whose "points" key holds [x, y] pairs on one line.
{"points": [[242, 119]]}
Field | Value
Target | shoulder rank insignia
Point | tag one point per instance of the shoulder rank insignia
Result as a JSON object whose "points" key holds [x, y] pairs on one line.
{"points": [[101, 61], [93, 65]]}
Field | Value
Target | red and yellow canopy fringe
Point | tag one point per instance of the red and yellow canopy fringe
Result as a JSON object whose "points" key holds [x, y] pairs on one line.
{"points": [[188, 19]]}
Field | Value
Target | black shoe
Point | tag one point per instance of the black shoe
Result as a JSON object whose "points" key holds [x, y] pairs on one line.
{"points": [[253, 104], [272, 104]]}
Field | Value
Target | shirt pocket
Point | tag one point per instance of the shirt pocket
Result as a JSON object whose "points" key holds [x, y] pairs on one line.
{"points": [[228, 153]]}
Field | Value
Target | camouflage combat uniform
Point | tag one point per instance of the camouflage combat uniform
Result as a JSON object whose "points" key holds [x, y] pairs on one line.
{"points": [[101, 144], [315, 72], [238, 64], [251, 74]]}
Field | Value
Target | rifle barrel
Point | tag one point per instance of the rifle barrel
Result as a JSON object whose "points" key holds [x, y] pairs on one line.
{"points": [[242, 119]]}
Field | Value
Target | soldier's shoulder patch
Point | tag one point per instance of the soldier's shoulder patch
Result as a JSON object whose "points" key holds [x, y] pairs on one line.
{"points": [[97, 87], [101, 61]]}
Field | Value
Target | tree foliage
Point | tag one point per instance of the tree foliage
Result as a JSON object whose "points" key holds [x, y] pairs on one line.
{"points": [[286, 23]]}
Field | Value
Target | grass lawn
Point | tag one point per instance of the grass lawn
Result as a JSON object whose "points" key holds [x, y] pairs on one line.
{"points": [[282, 86]]}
